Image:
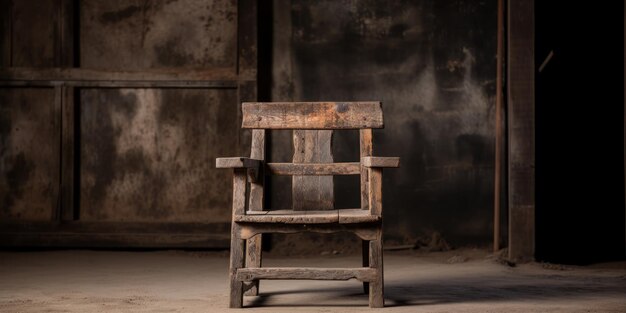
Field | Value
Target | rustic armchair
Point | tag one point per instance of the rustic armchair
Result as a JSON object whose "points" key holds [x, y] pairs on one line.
{"points": [[312, 192]]}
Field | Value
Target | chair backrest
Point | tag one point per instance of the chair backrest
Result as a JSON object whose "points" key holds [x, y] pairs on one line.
{"points": [[312, 124]]}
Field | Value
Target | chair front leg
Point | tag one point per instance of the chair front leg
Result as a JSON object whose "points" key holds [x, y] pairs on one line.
{"points": [[254, 254], [237, 244]]}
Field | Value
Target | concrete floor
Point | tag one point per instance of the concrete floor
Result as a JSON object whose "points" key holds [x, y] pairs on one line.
{"points": [[174, 281]]}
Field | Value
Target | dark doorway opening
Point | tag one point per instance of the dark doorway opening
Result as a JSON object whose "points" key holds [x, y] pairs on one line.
{"points": [[579, 131]]}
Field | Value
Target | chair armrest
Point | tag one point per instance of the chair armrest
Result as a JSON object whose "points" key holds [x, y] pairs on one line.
{"points": [[380, 161], [237, 162]]}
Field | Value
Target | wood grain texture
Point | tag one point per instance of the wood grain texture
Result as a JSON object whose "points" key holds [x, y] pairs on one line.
{"points": [[312, 193], [351, 168], [349, 216], [376, 296], [364, 231], [239, 191], [290, 217], [310, 273], [254, 249], [237, 259], [375, 195], [342, 216], [365, 143], [237, 162], [312, 115], [253, 260], [380, 161], [365, 261], [521, 114]]}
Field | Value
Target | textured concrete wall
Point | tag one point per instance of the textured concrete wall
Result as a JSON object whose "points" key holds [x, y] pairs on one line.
{"points": [[432, 64]]}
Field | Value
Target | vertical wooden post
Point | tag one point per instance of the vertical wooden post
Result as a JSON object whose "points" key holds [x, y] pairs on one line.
{"points": [[365, 138], [375, 190], [377, 294], [365, 143], [365, 254], [312, 192], [625, 118], [254, 252], [237, 245], [497, 182], [521, 109]]}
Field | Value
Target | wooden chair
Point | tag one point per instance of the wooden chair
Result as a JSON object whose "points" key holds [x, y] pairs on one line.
{"points": [[312, 189]]}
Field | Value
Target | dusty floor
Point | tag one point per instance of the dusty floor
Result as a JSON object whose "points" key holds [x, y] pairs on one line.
{"points": [[174, 281]]}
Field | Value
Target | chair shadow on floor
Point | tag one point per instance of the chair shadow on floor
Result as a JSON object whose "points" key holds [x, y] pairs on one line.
{"points": [[450, 290]]}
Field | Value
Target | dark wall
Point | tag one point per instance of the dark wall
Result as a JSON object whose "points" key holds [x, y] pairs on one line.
{"points": [[580, 132], [432, 64]]}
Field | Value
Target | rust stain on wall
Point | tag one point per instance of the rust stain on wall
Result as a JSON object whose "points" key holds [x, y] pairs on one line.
{"points": [[148, 154]]}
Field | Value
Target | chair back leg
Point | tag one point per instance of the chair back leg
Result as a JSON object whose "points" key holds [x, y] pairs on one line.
{"points": [[237, 258], [376, 296]]}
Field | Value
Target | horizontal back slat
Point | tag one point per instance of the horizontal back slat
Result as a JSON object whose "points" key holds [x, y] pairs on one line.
{"points": [[312, 115], [304, 169]]}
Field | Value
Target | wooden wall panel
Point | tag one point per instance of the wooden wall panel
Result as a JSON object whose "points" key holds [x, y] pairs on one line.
{"points": [[29, 154], [5, 33], [35, 28], [148, 154], [122, 34]]}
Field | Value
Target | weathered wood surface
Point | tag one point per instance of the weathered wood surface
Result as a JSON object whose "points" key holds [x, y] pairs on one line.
{"points": [[136, 35], [365, 231], [342, 216], [348, 168], [365, 261], [365, 144], [5, 33], [237, 259], [376, 296], [237, 162], [375, 190], [312, 192], [237, 244], [348, 216], [148, 154], [290, 217], [254, 248], [239, 191], [312, 115], [106, 75], [29, 141], [521, 126], [310, 273], [380, 161], [35, 33]]}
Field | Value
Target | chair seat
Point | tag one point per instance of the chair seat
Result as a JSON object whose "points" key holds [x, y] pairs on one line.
{"points": [[342, 216]]}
